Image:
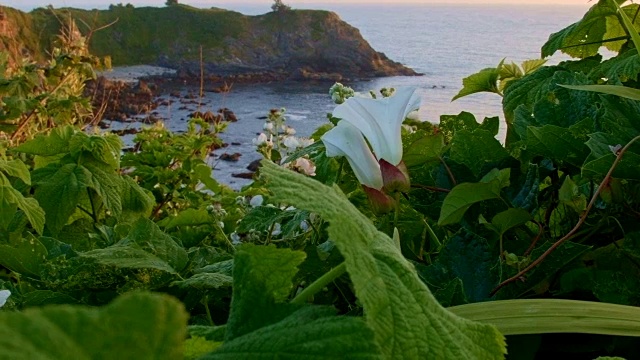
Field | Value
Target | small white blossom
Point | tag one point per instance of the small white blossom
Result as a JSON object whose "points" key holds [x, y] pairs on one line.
{"points": [[305, 166], [235, 238], [268, 126], [4, 296], [256, 201], [291, 142], [289, 130], [277, 229], [304, 142], [260, 140]]}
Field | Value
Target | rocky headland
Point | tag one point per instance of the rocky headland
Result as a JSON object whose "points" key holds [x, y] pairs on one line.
{"points": [[225, 45]]}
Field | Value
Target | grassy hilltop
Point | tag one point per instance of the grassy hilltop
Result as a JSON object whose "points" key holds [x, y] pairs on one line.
{"points": [[287, 42]]}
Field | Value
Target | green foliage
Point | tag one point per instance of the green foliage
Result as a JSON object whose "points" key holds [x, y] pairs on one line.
{"points": [[382, 277], [300, 267], [137, 325]]}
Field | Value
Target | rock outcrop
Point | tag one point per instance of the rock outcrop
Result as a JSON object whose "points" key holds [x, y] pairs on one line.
{"points": [[294, 44]]}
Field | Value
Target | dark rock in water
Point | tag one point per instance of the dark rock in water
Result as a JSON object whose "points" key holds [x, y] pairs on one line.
{"points": [[243, 175], [119, 101], [262, 117], [130, 131], [254, 165], [230, 157], [236, 143]]}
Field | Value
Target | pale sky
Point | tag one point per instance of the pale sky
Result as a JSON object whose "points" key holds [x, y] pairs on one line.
{"points": [[88, 4]]}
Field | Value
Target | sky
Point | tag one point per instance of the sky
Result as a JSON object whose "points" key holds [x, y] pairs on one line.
{"points": [[100, 4]]}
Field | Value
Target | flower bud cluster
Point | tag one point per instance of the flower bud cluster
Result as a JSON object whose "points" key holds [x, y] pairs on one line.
{"points": [[279, 139], [340, 93]]}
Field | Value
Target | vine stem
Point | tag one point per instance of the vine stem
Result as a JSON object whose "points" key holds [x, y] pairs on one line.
{"points": [[320, 284], [581, 221]]}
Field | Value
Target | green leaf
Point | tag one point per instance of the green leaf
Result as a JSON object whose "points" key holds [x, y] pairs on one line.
{"points": [[205, 281], [188, 217], [134, 326], [58, 191], [30, 206], [545, 316], [203, 174], [463, 196], [136, 201], [627, 167], [450, 124], [478, 150], [483, 81], [47, 297], [570, 195], [557, 143], [467, 257], [147, 236], [422, 148], [306, 334], [618, 90], [584, 38], [510, 219], [407, 320], [23, 256], [262, 277], [16, 168], [259, 219], [628, 25], [619, 69], [128, 258], [57, 142]]}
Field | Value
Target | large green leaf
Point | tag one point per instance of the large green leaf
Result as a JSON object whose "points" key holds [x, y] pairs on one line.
{"points": [[544, 316], [59, 190], [557, 143], [619, 69], [30, 206], [478, 150], [57, 142], [421, 147], [510, 219], [463, 196], [205, 281], [148, 236], [24, 256], [467, 257], [262, 281], [16, 168], [486, 80], [585, 37], [309, 333], [618, 90], [134, 326], [407, 320]]}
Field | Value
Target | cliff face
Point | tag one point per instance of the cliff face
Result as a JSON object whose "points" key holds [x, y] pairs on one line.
{"points": [[291, 44]]}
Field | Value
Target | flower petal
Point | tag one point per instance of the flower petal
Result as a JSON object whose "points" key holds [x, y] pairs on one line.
{"points": [[346, 140], [380, 120]]}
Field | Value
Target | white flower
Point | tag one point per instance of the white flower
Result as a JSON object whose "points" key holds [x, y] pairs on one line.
{"points": [[304, 142], [291, 142], [256, 201], [268, 126], [277, 229], [380, 120], [260, 140], [235, 238], [305, 166], [4, 295], [289, 131], [346, 140]]}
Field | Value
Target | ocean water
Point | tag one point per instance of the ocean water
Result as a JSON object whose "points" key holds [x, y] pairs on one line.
{"points": [[445, 42]]}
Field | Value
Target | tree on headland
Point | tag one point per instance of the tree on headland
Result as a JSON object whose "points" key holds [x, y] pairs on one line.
{"points": [[278, 6], [171, 2]]}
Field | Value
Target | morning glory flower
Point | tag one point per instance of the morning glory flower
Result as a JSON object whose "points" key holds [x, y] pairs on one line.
{"points": [[346, 140], [4, 296], [380, 121]]}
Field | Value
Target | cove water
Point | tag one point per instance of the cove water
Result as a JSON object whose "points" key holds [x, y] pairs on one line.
{"points": [[445, 42]]}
